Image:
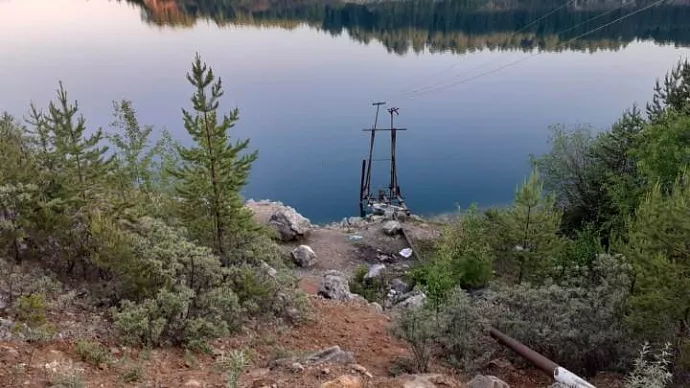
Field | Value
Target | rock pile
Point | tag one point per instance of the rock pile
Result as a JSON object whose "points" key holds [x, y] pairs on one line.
{"points": [[289, 224]]}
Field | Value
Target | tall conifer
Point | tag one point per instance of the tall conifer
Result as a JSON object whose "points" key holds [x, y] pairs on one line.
{"points": [[214, 169]]}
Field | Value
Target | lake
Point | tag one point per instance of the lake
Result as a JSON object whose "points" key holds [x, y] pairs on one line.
{"points": [[475, 98]]}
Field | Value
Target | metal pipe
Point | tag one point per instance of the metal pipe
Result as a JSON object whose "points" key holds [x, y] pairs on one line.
{"points": [[558, 373]]}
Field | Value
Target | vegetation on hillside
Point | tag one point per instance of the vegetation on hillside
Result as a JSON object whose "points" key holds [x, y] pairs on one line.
{"points": [[591, 261], [587, 266], [156, 233]]}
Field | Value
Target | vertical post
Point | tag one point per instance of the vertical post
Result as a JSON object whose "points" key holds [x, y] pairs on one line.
{"points": [[361, 188], [367, 184], [394, 179]]}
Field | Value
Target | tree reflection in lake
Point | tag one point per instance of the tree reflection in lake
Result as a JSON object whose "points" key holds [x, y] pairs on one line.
{"points": [[447, 25]]}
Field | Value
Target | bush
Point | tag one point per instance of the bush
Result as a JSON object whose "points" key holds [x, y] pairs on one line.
{"points": [[93, 352], [463, 333], [418, 328], [648, 373], [236, 363], [133, 374], [67, 380], [185, 296], [32, 310], [464, 247], [373, 290], [580, 324]]}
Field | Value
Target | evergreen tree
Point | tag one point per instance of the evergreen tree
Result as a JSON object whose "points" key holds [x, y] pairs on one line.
{"points": [[660, 253], [529, 230], [73, 179], [673, 94], [214, 170], [664, 149], [83, 166], [18, 195], [134, 152]]}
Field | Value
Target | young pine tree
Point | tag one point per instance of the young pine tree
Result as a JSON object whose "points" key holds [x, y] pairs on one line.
{"points": [[17, 187], [213, 170], [134, 152], [659, 251], [82, 165], [530, 230], [74, 183]]}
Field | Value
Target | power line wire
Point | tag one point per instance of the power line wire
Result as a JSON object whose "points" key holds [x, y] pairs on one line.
{"points": [[480, 75], [528, 25], [482, 65]]}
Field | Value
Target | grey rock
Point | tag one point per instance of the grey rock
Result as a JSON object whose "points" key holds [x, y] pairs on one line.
{"points": [[334, 285], [332, 355], [411, 300], [268, 269], [385, 258], [296, 367], [377, 307], [356, 222], [8, 353], [375, 271], [193, 384], [289, 224], [392, 228], [389, 214], [400, 286], [282, 363], [425, 381], [6, 328], [375, 218], [481, 381], [304, 256]]}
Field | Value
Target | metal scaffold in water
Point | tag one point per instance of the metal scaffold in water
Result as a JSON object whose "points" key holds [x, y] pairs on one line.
{"points": [[386, 199]]}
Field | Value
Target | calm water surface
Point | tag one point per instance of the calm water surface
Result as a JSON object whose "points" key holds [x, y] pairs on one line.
{"points": [[304, 78]]}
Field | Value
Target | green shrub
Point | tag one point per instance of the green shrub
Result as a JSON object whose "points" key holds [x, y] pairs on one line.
{"points": [[417, 327], [373, 289], [32, 309], [402, 366], [235, 363], [462, 257], [580, 324], [67, 380], [463, 334], [132, 374], [93, 352], [654, 373], [187, 297]]}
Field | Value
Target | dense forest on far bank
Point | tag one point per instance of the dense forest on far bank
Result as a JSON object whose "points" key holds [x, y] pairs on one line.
{"points": [[588, 266], [451, 25]]}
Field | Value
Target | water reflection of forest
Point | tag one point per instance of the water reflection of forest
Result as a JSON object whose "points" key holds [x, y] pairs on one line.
{"points": [[445, 25]]}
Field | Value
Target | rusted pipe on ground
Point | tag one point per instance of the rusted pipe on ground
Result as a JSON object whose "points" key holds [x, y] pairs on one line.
{"points": [[558, 373]]}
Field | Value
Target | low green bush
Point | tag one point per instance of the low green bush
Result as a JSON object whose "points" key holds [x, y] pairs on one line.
{"points": [[372, 289], [93, 352], [187, 296]]}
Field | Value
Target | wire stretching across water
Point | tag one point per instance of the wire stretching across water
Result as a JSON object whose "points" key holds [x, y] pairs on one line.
{"points": [[528, 25], [483, 64], [480, 75]]}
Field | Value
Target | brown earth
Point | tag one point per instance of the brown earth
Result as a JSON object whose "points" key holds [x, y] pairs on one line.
{"points": [[354, 326]]}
